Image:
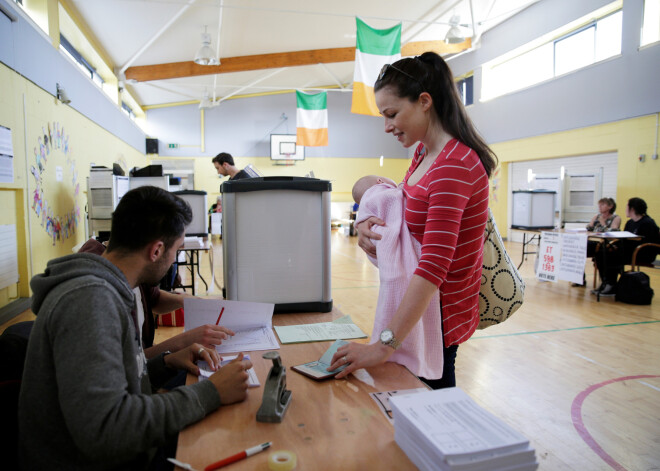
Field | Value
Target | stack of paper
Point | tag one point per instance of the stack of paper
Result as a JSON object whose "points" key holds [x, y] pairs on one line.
{"points": [[447, 430]]}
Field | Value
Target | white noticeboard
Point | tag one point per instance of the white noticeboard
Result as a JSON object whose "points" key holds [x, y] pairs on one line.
{"points": [[562, 257], [6, 156], [572, 257]]}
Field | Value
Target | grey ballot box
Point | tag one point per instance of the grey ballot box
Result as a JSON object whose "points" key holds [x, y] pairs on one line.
{"points": [[276, 242]]}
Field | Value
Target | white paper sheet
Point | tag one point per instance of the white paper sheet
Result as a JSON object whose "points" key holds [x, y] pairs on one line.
{"points": [[252, 322]]}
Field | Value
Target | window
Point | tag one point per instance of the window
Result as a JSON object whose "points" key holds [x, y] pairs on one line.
{"points": [[465, 90], [595, 42], [651, 22], [73, 54], [580, 44]]}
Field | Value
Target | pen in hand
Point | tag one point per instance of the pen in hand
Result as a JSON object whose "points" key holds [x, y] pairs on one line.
{"points": [[238, 456]]}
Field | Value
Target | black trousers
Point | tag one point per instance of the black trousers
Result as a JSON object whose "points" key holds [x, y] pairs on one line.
{"points": [[448, 379]]}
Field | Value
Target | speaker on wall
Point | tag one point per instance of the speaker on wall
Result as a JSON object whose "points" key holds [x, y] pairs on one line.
{"points": [[152, 146]]}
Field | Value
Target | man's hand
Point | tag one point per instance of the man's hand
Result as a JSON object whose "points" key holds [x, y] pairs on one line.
{"points": [[208, 335], [231, 380], [185, 358], [365, 234]]}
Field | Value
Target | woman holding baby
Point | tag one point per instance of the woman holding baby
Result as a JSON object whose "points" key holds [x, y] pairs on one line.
{"points": [[446, 193]]}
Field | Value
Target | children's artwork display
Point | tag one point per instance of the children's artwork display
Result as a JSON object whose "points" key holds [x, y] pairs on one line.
{"points": [[53, 165]]}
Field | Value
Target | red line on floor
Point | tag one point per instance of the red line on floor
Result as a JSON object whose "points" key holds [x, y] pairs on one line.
{"points": [[578, 423]]}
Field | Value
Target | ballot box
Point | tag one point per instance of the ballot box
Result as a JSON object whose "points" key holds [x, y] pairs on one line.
{"points": [[533, 209], [276, 242]]}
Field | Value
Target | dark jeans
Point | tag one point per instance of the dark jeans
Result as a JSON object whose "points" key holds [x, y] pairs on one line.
{"points": [[448, 379]]}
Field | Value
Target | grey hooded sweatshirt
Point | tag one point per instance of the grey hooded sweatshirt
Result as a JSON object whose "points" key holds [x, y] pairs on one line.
{"points": [[86, 399]]}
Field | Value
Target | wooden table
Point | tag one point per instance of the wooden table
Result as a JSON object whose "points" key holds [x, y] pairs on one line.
{"points": [[330, 425]]}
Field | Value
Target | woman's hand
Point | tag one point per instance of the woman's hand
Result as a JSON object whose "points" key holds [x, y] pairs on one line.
{"points": [[359, 355], [185, 359], [365, 234]]}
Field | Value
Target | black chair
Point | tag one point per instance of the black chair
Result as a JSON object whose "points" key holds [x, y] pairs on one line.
{"points": [[13, 348]]}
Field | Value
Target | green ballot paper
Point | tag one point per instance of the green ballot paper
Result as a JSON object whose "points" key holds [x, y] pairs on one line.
{"points": [[319, 369]]}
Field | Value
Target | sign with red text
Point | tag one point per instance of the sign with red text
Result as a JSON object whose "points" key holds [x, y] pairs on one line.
{"points": [[562, 257], [549, 252]]}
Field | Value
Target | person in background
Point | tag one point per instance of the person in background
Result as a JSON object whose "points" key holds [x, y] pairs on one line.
{"points": [[217, 206], [604, 221], [86, 399], [446, 193], [620, 251], [224, 164]]}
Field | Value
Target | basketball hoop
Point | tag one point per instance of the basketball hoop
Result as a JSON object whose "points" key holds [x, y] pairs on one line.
{"points": [[287, 161]]}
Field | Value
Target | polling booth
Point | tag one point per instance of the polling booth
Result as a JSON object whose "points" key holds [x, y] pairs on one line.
{"points": [[276, 242], [533, 209]]}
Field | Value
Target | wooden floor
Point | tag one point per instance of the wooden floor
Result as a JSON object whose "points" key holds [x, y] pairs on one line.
{"points": [[579, 378]]}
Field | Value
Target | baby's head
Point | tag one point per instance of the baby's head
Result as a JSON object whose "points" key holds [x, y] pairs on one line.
{"points": [[366, 182]]}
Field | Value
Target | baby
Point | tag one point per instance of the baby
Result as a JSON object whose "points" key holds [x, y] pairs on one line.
{"points": [[398, 257]]}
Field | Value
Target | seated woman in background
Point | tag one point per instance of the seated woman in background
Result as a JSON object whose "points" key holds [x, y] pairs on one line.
{"points": [[604, 221], [620, 252]]}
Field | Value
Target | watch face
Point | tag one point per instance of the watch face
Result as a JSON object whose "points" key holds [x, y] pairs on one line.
{"points": [[386, 336]]}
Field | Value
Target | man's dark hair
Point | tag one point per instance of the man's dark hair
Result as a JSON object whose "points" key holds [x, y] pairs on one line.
{"points": [[146, 214], [638, 205], [223, 157]]}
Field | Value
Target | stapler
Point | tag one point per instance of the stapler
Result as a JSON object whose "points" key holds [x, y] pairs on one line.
{"points": [[276, 398]]}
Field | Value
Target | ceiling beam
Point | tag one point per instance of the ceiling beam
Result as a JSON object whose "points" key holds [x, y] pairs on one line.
{"points": [[146, 73]]}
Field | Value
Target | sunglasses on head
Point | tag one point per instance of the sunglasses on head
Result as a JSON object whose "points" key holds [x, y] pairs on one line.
{"points": [[387, 67]]}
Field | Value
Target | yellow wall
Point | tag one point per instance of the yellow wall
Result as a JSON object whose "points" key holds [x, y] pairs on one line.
{"points": [[628, 138], [29, 111]]}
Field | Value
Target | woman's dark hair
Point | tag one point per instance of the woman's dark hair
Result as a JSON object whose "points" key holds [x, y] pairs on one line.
{"points": [[609, 202], [638, 205], [146, 214], [409, 77]]}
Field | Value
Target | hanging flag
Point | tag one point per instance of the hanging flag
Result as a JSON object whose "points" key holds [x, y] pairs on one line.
{"points": [[374, 49], [312, 119]]}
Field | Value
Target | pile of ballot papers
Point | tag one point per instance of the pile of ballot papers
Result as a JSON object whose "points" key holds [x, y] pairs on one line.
{"points": [[446, 430]]}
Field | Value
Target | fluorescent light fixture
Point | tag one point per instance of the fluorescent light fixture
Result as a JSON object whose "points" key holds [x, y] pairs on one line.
{"points": [[454, 35], [61, 94], [205, 54]]}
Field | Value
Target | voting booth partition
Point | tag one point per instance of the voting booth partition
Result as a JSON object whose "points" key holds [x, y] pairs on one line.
{"points": [[533, 209], [276, 242], [199, 227]]}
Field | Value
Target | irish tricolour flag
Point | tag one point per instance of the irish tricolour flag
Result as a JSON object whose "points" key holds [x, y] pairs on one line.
{"points": [[312, 119], [375, 48]]}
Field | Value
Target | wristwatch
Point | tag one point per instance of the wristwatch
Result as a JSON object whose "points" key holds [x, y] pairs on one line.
{"points": [[387, 338]]}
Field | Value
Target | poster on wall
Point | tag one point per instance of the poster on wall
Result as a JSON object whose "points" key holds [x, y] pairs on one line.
{"points": [[6, 156], [54, 167], [8, 256]]}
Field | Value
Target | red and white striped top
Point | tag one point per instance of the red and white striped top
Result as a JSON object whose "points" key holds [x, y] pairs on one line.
{"points": [[446, 211]]}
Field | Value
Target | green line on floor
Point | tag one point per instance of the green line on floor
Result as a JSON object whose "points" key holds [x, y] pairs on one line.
{"points": [[562, 330]]}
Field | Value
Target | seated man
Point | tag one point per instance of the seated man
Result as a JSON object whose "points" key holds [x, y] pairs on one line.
{"points": [[86, 399], [153, 300]]}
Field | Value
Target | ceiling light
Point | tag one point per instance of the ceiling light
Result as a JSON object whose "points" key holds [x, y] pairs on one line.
{"points": [[205, 54], [61, 94], [454, 35]]}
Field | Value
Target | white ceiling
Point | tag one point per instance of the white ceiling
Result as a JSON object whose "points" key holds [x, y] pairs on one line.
{"points": [[151, 32]]}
